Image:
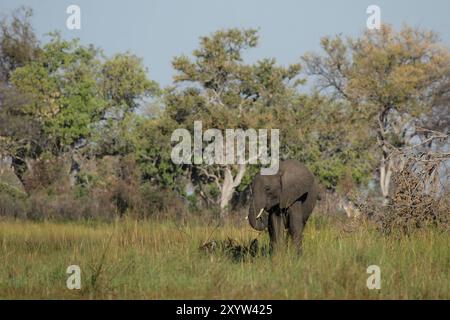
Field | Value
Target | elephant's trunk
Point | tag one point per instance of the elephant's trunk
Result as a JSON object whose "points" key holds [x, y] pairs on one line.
{"points": [[257, 221]]}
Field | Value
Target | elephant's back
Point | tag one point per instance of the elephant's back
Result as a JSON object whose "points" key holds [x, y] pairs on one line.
{"points": [[295, 165]]}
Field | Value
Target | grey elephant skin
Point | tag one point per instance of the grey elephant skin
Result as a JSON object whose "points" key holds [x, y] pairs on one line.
{"points": [[287, 198]]}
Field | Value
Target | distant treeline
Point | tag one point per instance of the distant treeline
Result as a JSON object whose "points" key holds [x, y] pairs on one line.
{"points": [[87, 135]]}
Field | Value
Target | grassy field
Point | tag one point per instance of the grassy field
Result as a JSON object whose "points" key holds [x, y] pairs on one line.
{"points": [[160, 260]]}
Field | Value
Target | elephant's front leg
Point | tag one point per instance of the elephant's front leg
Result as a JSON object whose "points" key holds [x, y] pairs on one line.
{"points": [[296, 225], [276, 230]]}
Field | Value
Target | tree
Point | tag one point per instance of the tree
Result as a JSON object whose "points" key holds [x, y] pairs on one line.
{"points": [[20, 134], [18, 43], [321, 133], [391, 79], [152, 149], [65, 98], [125, 86], [74, 94], [217, 87]]}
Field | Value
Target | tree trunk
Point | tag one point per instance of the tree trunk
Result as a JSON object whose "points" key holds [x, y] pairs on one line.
{"points": [[385, 177], [389, 165], [229, 185], [385, 163]]}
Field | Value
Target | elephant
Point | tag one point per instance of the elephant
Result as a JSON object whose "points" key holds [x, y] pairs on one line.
{"points": [[288, 199]]}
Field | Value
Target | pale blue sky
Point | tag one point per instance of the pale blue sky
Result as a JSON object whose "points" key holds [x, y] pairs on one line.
{"points": [[157, 30]]}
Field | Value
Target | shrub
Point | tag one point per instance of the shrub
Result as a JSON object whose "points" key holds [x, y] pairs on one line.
{"points": [[13, 199], [419, 200], [156, 201], [48, 172], [11, 206]]}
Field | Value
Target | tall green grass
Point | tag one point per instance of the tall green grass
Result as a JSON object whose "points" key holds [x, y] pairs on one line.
{"points": [[131, 259]]}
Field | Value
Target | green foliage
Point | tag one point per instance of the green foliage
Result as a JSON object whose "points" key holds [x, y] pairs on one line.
{"points": [[124, 80], [63, 98], [72, 90], [322, 134], [12, 191], [224, 92], [153, 152], [219, 88], [63, 85]]}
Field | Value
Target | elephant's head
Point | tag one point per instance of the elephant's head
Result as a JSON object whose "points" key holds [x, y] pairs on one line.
{"points": [[266, 192], [271, 192]]}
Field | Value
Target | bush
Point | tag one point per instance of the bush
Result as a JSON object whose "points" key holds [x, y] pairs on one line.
{"points": [[13, 200], [418, 200], [15, 207], [48, 172], [69, 206], [105, 188], [155, 201]]}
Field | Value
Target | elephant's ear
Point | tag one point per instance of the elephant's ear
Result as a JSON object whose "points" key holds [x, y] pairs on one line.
{"points": [[295, 185]]}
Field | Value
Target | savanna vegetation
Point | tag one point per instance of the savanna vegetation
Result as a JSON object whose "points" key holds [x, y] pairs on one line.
{"points": [[162, 260], [86, 175]]}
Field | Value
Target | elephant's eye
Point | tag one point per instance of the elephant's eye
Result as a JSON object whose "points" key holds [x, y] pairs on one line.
{"points": [[267, 188]]}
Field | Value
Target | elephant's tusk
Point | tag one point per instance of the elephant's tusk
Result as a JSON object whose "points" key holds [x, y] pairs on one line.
{"points": [[260, 213]]}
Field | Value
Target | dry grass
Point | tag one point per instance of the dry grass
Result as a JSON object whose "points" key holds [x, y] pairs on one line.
{"points": [[160, 260]]}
